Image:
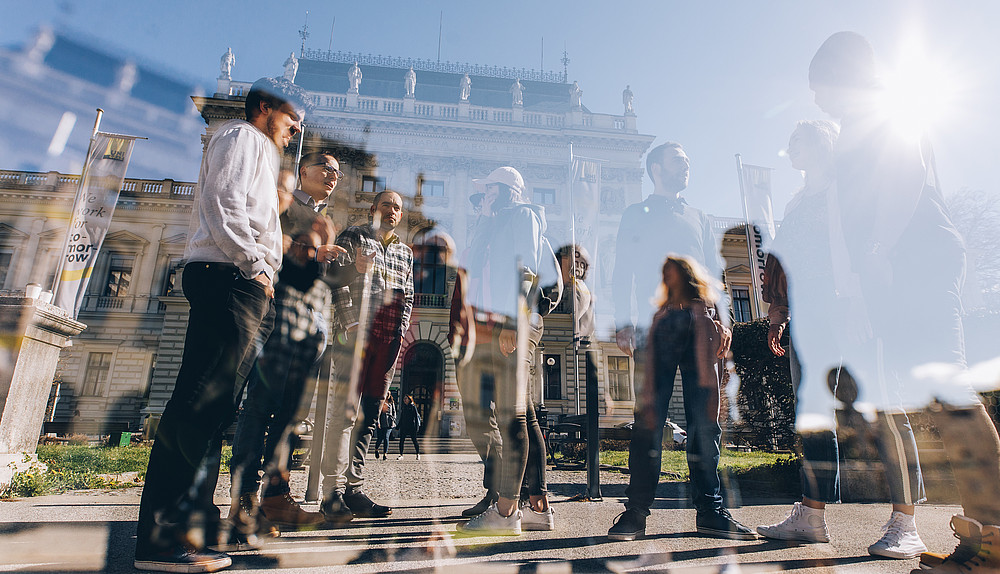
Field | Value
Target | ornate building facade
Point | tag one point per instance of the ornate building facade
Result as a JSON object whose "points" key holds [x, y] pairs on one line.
{"points": [[420, 128]]}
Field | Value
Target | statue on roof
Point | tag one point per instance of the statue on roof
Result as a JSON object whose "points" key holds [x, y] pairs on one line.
{"points": [[575, 95], [226, 65], [410, 81], [354, 77], [627, 97], [464, 88], [516, 91], [291, 67]]}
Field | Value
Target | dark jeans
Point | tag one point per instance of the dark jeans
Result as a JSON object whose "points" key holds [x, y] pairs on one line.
{"points": [[382, 440], [412, 435], [523, 459], [481, 420], [229, 320], [672, 347], [285, 373]]}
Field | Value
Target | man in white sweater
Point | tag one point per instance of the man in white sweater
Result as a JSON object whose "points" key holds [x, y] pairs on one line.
{"points": [[233, 251]]}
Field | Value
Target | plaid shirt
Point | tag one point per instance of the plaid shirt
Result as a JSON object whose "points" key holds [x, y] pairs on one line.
{"points": [[300, 317], [392, 275]]}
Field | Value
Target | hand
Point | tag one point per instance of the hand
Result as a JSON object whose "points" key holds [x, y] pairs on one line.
{"points": [[508, 341], [626, 340], [363, 262], [327, 253], [266, 282], [725, 339], [774, 333]]}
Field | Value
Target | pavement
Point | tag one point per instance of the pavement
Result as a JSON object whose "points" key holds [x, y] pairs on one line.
{"points": [[93, 531]]}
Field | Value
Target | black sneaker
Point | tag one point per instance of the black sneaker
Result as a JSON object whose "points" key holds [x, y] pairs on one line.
{"points": [[182, 558], [481, 506], [335, 511], [721, 524], [363, 507], [629, 525]]}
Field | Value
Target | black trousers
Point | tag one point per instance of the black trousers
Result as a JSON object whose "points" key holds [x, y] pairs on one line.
{"points": [[230, 319]]}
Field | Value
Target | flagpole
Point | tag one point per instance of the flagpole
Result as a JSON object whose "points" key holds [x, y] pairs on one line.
{"points": [[572, 267], [76, 202], [748, 228]]}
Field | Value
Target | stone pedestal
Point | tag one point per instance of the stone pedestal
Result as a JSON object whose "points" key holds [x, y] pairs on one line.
{"points": [[463, 109], [517, 114], [31, 335], [409, 105], [223, 86], [352, 100]]}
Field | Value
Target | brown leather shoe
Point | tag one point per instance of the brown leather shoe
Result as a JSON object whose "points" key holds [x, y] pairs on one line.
{"points": [[286, 513]]}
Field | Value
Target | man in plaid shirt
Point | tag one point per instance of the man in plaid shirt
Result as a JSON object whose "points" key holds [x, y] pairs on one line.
{"points": [[384, 265]]}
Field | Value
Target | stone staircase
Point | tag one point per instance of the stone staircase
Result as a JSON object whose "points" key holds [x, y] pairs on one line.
{"points": [[444, 445]]}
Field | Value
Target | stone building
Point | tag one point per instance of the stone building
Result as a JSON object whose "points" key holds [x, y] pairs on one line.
{"points": [[421, 128]]}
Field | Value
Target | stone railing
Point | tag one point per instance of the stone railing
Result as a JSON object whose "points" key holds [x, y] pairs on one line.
{"points": [[130, 187], [419, 64]]}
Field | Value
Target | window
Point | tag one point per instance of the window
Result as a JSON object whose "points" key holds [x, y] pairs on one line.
{"points": [[619, 381], [5, 257], [170, 282], [741, 305], [372, 184], [552, 373], [98, 367], [432, 188], [119, 275], [544, 196], [430, 273]]}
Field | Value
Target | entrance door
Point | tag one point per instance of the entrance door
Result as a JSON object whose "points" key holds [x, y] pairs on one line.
{"points": [[423, 377]]}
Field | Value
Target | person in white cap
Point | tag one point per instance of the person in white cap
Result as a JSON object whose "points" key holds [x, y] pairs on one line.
{"points": [[509, 258]]}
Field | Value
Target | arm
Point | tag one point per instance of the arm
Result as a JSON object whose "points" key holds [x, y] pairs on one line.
{"points": [[408, 295], [343, 300]]}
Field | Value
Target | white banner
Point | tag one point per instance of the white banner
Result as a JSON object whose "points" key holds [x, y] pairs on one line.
{"points": [[95, 204], [755, 183]]}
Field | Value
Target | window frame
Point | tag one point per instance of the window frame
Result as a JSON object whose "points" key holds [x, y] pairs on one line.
{"points": [[616, 374]]}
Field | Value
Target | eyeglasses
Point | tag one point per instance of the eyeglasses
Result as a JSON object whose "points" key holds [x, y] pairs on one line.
{"points": [[329, 169]]}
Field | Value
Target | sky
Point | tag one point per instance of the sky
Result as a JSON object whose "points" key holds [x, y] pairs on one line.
{"points": [[720, 77]]}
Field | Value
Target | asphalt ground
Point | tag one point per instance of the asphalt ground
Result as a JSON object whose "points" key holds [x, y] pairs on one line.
{"points": [[92, 531]]}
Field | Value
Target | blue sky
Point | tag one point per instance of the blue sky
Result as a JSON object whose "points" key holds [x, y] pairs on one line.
{"points": [[721, 77]]}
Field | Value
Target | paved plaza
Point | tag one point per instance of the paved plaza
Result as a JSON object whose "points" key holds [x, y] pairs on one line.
{"points": [[90, 531]]}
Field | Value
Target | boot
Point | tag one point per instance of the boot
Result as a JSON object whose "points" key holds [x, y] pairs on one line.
{"points": [[968, 531], [283, 511], [246, 525], [335, 511], [986, 560]]}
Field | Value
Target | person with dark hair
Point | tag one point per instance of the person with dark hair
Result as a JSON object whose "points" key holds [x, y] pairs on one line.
{"points": [[509, 260], [817, 289], [383, 278], [233, 252], [409, 425], [288, 366], [386, 422], [650, 230], [895, 222]]}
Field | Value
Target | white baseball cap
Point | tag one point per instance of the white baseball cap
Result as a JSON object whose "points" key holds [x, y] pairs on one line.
{"points": [[505, 175]]}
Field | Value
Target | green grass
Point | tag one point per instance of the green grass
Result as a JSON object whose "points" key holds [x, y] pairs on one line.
{"points": [[736, 464], [74, 467]]}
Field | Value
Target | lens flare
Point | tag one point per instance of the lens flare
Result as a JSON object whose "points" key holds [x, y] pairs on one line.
{"points": [[921, 91]]}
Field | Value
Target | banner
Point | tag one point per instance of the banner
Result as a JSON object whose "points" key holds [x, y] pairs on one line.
{"points": [[755, 185], [95, 203]]}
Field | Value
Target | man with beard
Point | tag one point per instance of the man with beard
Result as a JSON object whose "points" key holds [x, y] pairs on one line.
{"points": [[232, 254], [650, 230], [384, 266]]}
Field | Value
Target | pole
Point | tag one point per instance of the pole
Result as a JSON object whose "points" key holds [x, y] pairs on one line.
{"points": [[572, 242], [329, 48], [593, 430], [76, 202], [750, 240], [440, 28]]}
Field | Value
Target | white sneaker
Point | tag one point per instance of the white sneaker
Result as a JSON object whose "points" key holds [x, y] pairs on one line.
{"points": [[491, 523], [400, 457], [803, 524], [418, 457], [532, 520], [900, 540]]}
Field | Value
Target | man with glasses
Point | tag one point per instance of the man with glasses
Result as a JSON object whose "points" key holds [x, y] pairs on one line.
{"points": [[233, 252], [286, 372]]}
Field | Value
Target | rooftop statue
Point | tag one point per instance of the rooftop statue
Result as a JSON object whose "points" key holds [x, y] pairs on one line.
{"points": [[354, 77], [291, 67], [516, 91], [410, 82], [464, 88], [627, 97], [575, 95], [226, 64]]}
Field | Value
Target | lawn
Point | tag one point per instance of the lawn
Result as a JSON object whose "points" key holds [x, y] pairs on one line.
{"points": [[756, 465]]}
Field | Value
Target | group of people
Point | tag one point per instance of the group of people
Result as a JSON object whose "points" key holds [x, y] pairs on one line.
{"points": [[848, 269]]}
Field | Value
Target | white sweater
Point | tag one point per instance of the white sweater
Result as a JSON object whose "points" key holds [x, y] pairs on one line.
{"points": [[235, 214]]}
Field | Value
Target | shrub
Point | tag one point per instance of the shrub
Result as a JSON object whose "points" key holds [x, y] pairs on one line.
{"points": [[766, 402]]}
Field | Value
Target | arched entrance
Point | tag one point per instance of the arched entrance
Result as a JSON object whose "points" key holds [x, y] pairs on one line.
{"points": [[423, 377]]}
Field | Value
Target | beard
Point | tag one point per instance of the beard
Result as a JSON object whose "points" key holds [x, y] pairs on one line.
{"points": [[274, 132]]}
